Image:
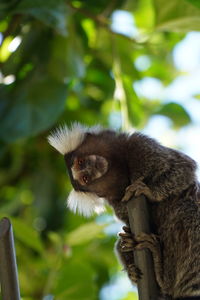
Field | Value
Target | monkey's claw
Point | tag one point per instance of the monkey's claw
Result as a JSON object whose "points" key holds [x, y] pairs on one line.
{"points": [[126, 229], [134, 273], [127, 244], [148, 241], [127, 240], [137, 188]]}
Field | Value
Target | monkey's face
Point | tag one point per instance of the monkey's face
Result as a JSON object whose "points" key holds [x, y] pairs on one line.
{"points": [[88, 168], [85, 172], [96, 166]]}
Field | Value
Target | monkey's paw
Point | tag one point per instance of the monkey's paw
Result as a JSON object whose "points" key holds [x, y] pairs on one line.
{"points": [[148, 241], [137, 188], [134, 273], [127, 240]]}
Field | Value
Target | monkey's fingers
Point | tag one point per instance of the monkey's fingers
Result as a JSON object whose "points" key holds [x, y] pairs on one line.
{"points": [[127, 244], [151, 238], [149, 241], [143, 189], [136, 189], [132, 189], [125, 234], [126, 229], [127, 249], [130, 192], [134, 273], [127, 197]]}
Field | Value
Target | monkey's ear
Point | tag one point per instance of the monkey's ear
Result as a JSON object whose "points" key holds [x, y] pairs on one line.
{"points": [[101, 164]]}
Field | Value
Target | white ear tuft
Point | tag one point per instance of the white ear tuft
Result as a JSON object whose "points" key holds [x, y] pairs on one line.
{"points": [[85, 204], [65, 139]]}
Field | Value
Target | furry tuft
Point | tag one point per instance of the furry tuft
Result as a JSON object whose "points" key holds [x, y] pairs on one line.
{"points": [[85, 204], [65, 139]]}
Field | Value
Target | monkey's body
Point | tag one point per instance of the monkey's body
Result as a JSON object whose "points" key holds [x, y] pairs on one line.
{"points": [[178, 226], [137, 164]]}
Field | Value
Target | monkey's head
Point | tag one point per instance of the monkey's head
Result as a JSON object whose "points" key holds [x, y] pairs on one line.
{"points": [[86, 169], [97, 171]]}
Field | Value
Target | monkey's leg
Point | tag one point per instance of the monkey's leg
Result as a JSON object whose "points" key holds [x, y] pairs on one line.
{"points": [[151, 242], [124, 247], [138, 188]]}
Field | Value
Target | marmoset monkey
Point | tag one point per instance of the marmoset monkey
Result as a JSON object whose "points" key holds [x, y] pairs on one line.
{"points": [[104, 164]]}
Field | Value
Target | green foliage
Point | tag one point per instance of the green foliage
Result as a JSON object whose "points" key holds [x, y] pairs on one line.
{"points": [[84, 234], [194, 2], [177, 15], [70, 283], [130, 296], [52, 13], [28, 110], [27, 235], [175, 112], [70, 64]]}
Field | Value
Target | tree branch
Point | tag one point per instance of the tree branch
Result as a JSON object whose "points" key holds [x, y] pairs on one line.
{"points": [[139, 222], [8, 266]]}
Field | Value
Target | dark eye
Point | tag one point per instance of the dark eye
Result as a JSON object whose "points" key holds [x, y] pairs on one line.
{"points": [[85, 179], [80, 161]]}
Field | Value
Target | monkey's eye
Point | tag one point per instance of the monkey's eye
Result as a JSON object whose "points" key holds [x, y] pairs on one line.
{"points": [[80, 161], [85, 179]]}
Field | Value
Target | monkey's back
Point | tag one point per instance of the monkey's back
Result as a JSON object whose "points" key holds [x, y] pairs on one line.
{"points": [[178, 223]]}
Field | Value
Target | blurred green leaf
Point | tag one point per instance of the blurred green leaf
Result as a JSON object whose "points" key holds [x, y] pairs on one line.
{"points": [[84, 233], [6, 6], [176, 113], [194, 2], [176, 15], [32, 53], [197, 96], [66, 58], [4, 53], [124, 53], [27, 235], [31, 107], [131, 296], [144, 15], [75, 281], [53, 13], [135, 110]]}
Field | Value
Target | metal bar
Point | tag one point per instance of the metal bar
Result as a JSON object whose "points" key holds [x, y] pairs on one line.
{"points": [[8, 266], [139, 222]]}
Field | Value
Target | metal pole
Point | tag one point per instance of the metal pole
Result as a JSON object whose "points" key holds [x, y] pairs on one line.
{"points": [[139, 222], [8, 266]]}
